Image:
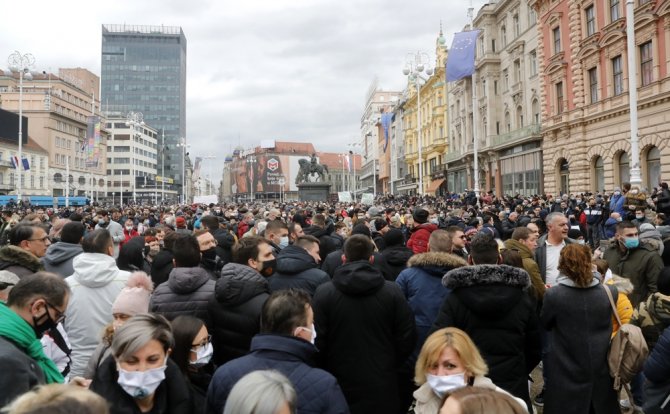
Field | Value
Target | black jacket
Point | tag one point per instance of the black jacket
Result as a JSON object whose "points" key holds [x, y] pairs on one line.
{"points": [[187, 292], [19, 374], [297, 269], [18, 261], [508, 227], [365, 330], [171, 397], [225, 241], [396, 258], [491, 304], [235, 310], [161, 267], [334, 260], [327, 243]]}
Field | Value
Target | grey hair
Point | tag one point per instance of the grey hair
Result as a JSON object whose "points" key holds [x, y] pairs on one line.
{"points": [[261, 392], [552, 216], [138, 331], [170, 220]]}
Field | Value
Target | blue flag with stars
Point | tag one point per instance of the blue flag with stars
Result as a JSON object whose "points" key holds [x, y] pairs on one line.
{"points": [[461, 58]]}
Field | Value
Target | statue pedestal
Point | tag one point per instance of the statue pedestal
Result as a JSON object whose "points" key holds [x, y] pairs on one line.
{"points": [[314, 191]]}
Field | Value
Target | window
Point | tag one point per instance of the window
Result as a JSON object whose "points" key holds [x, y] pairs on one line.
{"points": [[559, 98], [532, 17], [557, 39], [533, 62], [615, 14], [617, 72], [515, 19], [505, 80], [646, 63], [503, 36], [508, 122], [536, 112], [517, 70], [590, 20], [653, 167], [493, 45], [593, 84]]}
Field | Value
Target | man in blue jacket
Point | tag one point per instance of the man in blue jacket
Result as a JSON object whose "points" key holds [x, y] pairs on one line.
{"points": [[285, 344]]}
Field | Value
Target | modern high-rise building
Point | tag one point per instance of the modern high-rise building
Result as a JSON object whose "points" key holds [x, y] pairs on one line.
{"points": [[144, 70]]}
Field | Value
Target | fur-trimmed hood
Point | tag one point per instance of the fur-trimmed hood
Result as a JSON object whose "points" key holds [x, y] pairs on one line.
{"points": [[486, 275], [16, 256], [436, 259]]}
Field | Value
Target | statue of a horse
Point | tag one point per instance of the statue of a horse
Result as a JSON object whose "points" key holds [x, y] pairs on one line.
{"points": [[307, 169]]}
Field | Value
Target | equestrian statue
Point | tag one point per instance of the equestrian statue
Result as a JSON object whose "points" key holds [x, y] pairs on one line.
{"points": [[309, 167]]}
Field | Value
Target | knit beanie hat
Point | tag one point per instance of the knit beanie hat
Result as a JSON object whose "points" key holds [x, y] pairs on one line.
{"points": [[394, 237], [420, 216], [134, 298], [361, 228]]}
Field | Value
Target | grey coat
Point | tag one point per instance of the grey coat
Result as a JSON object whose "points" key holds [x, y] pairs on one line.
{"points": [[59, 256], [19, 373], [187, 292], [580, 323]]}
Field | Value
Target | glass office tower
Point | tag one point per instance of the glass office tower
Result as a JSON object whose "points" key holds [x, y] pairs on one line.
{"points": [[144, 70]]}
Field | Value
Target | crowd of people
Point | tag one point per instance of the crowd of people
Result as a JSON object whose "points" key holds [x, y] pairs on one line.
{"points": [[413, 304]]}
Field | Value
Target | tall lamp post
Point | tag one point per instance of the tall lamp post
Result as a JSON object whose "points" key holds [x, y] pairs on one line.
{"points": [[251, 160], [135, 120], [21, 63], [415, 64], [184, 188], [352, 151]]}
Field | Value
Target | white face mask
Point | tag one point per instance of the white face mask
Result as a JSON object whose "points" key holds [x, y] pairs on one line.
{"points": [[140, 384], [129, 228], [441, 384], [312, 330], [283, 242], [203, 355]]}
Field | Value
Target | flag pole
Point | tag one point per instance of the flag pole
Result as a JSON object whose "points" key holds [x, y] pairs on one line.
{"points": [[475, 147]]}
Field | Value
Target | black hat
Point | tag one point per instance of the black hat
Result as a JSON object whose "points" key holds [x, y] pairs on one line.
{"points": [[394, 237], [420, 216], [361, 228]]}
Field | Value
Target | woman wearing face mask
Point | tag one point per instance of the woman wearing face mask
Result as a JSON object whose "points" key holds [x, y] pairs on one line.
{"points": [[449, 360], [129, 232], [140, 377], [193, 354], [132, 300]]}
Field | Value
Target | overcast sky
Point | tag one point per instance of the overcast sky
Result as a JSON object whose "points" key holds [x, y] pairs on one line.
{"points": [[289, 70]]}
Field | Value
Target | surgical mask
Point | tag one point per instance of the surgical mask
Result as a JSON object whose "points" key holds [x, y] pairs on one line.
{"points": [[283, 242], [141, 384], [102, 222], [639, 216], [435, 220], [312, 329], [619, 219], [203, 355], [631, 242], [617, 193], [442, 384], [268, 268], [633, 192], [129, 228], [581, 241]]}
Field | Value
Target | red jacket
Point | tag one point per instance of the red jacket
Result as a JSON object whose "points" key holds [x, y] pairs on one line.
{"points": [[242, 228], [418, 241], [128, 236]]}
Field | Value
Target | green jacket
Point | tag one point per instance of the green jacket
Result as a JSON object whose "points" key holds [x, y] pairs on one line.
{"points": [[529, 265], [641, 266]]}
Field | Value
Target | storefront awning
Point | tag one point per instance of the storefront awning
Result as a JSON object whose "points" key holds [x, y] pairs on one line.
{"points": [[434, 185]]}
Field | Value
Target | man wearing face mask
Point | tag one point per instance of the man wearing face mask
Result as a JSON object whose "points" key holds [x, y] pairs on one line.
{"points": [[113, 227], [285, 344], [209, 261], [36, 304], [298, 267], [636, 261], [224, 238], [238, 298], [276, 234]]}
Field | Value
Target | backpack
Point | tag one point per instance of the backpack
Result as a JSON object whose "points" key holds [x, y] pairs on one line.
{"points": [[627, 353]]}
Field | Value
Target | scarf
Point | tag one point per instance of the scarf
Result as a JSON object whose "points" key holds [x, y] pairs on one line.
{"points": [[19, 332]]}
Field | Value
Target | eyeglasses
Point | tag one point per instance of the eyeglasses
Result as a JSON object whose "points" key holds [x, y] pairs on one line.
{"points": [[60, 315], [204, 343], [43, 239]]}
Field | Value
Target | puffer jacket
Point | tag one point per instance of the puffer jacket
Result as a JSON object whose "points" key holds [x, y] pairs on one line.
{"points": [[235, 310], [652, 237], [652, 316], [396, 259], [18, 261], [418, 241], [95, 284], [623, 306], [59, 256], [297, 269], [187, 292], [657, 365], [317, 390], [161, 267]]}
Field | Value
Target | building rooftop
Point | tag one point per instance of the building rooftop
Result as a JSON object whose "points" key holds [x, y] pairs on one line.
{"points": [[334, 162], [141, 29]]}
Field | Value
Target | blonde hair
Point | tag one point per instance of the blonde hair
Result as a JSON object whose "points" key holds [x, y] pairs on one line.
{"points": [[476, 400], [58, 399], [453, 338]]}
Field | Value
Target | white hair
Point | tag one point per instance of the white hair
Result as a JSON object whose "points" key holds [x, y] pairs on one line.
{"points": [[261, 392]]}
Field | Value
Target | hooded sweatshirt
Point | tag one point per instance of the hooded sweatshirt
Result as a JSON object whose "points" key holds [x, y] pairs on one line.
{"points": [[59, 256], [95, 284]]}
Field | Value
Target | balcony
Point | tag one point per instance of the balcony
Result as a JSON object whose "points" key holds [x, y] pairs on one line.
{"points": [[451, 156], [516, 136]]}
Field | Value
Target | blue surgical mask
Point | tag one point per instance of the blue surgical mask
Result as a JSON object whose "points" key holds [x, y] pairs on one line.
{"points": [[283, 242], [631, 242]]}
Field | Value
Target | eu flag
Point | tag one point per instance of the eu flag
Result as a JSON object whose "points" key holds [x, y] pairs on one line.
{"points": [[461, 58]]}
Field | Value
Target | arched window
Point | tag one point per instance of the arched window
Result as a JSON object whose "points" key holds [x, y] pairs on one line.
{"points": [[519, 116], [58, 177], [508, 122], [653, 168], [82, 180], [599, 174], [536, 112], [624, 168], [564, 173]]}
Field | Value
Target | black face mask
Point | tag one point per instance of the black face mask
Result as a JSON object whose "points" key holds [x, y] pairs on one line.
{"points": [[269, 267], [209, 254], [45, 326]]}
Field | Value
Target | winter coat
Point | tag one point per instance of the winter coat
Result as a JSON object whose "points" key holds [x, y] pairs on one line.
{"points": [[327, 244], [18, 261], [508, 227], [594, 215], [623, 306], [187, 292], [421, 283], [610, 227], [161, 267], [127, 235], [334, 261], [59, 256], [616, 205], [116, 230], [634, 202], [491, 304], [541, 255], [224, 244], [663, 202], [529, 265], [242, 228], [297, 269], [418, 241], [235, 310], [396, 258], [365, 331], [657, 365], [652, 316], [19, 374], [652, 238], [580, 322], [95, 284], [641, 265], [316, 389], [171, 397]]}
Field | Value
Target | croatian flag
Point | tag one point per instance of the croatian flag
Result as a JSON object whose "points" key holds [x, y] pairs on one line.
{"points": [[461, 58], [15, 162], [26, 164]]}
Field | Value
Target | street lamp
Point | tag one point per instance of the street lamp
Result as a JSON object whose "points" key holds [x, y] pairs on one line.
{"points": [[251, 160], [353, 146], [134, 120], [21, 64], [184, 188], [415, 64]]}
